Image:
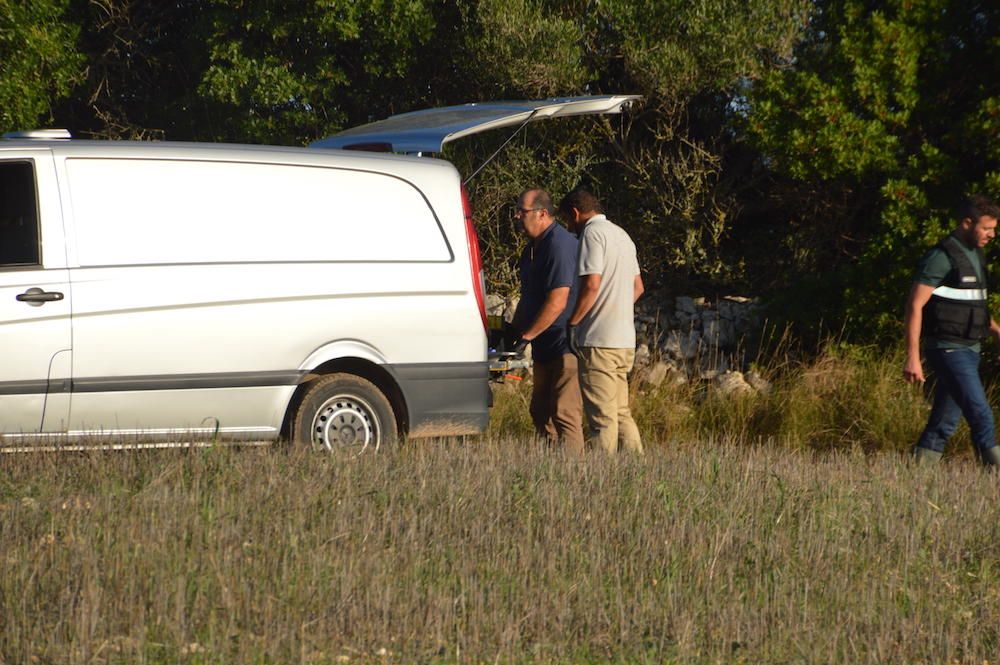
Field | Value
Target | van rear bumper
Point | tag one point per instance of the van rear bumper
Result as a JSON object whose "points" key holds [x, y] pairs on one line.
{"points": [[444, 399]]}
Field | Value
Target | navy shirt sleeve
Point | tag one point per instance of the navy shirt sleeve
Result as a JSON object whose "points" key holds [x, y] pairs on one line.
{"points": [[560, 262]]}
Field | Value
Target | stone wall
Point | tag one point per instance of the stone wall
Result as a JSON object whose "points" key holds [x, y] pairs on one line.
{"points": [[685, 338]]}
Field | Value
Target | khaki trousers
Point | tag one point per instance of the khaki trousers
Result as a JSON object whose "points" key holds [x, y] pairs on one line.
{"points": [[556, 405], [604, 384]]}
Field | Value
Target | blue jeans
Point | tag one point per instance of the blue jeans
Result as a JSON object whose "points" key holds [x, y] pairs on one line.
{"points": [[958, 392]]}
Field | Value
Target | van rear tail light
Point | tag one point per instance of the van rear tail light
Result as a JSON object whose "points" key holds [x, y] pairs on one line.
{"points": [[475, 259]]}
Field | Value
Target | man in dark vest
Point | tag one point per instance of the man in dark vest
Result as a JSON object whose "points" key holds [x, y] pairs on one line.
{"points": [[947, 311]]}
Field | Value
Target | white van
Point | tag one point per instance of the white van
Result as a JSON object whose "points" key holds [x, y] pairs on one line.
{"points": [[169, 292]]}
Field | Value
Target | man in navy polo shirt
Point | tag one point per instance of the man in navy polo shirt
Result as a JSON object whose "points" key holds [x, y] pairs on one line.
{"points": [[548, 293]]}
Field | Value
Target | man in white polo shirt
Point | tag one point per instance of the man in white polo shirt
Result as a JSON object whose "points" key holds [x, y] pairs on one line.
{"points": [[602, 326]]}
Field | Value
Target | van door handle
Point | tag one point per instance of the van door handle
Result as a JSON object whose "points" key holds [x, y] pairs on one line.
{"points": [[36, 296]]}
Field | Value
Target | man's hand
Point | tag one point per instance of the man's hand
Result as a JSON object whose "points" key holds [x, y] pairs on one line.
{"points": [[571, 340], [913, 319], [520, 346], [913, 371]]}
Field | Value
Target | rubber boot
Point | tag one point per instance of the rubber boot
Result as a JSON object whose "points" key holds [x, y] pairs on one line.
{"points": [[925, 455], [991, 456]]}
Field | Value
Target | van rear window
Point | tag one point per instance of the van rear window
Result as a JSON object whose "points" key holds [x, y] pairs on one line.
{"points": [[18, 215], [148, 211]]}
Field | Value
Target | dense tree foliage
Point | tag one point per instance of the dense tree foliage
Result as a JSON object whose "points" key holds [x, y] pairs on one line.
{"points": [[782, 145], [143, 64], [890, 114], [291, 72], [38, 60], [660, 170]]}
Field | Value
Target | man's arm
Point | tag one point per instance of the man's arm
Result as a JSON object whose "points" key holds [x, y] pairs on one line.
{"points": [[637, 288], [555, 303], [913, 321], [589, 286]]}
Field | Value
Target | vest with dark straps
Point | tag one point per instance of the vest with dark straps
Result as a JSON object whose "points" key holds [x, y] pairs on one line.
{"points": [[957, 310]]}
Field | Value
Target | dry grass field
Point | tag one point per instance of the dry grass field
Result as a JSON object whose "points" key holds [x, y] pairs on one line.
{"points": [[710, 549]]}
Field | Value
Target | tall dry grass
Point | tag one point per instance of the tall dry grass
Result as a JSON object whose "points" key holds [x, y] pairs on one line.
{"points": [[714, 548], [496, 551], [839, 398]]}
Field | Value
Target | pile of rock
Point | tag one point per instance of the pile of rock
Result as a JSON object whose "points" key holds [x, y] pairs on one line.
{"points": [[684, 338], [692, 338]]}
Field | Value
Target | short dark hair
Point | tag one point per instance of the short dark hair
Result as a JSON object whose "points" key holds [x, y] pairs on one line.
{"points": [[976, 206], [580, 199], [542, 200]]}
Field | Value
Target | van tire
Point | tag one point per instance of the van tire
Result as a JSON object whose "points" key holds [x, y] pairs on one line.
{"points": [[344, 412]]}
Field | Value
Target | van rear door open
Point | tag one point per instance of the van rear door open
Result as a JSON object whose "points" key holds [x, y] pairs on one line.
{"points": [[428, 130]]}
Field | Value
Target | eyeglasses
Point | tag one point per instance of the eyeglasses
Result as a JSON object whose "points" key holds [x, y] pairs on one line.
{"points": [[525, 211]]}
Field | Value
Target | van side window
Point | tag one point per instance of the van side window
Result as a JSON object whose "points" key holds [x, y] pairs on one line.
{"points": [[18, 215]]}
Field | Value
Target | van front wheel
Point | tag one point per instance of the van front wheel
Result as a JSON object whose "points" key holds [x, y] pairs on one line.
{"points": [[343, 411]]}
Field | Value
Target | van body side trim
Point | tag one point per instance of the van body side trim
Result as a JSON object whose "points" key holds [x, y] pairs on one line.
{"points": [[187, 381], [26, 387], [409, 374], [442, 398], [154, 382]]}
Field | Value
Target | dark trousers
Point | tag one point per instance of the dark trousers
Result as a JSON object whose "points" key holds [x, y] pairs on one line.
{"points": [[958, 392]]}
